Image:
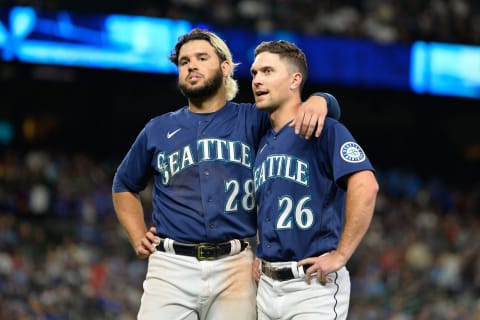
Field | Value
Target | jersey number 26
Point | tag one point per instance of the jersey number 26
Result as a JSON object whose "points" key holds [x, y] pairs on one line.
{"points": [[299, 213]]}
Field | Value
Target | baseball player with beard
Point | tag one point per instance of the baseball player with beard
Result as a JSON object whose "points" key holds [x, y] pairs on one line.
{"points": [[204, 210], [315, 198]]}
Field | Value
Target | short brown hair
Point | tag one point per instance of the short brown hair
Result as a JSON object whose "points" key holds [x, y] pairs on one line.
{"points": [[286, 50]]}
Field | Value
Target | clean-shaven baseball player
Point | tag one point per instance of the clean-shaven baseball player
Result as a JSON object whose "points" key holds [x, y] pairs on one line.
{"points": [[204, 210], [315, 198]]}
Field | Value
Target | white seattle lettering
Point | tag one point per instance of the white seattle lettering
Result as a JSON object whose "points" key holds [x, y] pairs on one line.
{"points": [[210, 149], [282, 166]]}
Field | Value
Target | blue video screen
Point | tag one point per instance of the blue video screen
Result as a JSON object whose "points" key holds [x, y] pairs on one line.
{"points": [[111, 41], [143, 44], [445, 69]]}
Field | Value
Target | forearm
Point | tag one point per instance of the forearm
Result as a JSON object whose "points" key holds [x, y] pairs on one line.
{"points": [[129, 211], [360, 204]]}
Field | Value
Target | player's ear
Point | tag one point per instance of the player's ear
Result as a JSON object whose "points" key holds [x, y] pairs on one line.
{"points": [[226, 68], [296, 80]]}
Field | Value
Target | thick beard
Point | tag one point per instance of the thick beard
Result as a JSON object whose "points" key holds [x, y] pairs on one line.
{"points": [[210, 88]]}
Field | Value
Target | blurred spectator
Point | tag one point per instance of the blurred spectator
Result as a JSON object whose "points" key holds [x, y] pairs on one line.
{"points": [[385, 21], [420, 258], [63, 256]]}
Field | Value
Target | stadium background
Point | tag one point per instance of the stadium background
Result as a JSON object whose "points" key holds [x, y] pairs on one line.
{"points": [[63, 255]]}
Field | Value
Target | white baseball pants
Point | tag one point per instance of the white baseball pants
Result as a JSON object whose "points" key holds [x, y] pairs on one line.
{"points": [[182, 288], [295, 299]]}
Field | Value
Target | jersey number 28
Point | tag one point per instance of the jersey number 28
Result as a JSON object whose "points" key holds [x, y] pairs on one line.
{"points": [[234, 192]]}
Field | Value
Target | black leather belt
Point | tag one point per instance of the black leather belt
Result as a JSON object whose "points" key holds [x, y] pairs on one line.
{"points": [[281, 274], [203, 251]]}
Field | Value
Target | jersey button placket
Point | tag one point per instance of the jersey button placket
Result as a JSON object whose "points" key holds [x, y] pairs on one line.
{"points": [[204, 172], [273, 143]]}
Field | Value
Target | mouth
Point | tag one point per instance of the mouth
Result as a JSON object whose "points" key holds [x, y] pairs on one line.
{"points": [[193, 77], [260, 93]]}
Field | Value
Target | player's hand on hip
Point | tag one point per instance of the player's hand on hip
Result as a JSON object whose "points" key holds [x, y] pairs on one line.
{"points": [[310, 117], [323, 265], [148, 244]]}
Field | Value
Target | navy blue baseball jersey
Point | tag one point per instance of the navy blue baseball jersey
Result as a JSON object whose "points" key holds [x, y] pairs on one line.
{"points": [[202, 167], [300, 197]]}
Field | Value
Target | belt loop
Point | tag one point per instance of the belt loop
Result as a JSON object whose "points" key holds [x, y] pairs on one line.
{"points": [[294, 268], [235, 246], [168, 245], [301, 271]]}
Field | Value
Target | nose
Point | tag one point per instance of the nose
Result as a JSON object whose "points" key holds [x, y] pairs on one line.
{"points": [[192, 66], [256, 80]]}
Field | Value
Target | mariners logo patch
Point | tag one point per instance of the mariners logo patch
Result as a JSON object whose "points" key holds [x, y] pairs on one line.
{"points": [[352, 152]]}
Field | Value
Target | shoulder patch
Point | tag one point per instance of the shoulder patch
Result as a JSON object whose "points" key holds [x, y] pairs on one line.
{"points": [[352, 152]]}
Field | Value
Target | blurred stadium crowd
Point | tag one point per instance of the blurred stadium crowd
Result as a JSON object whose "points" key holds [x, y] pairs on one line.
{"points": [[64, 256], [456, 21]]}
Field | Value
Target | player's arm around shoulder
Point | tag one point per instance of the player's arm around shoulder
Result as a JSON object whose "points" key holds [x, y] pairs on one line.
{"points": [[313, 112]]}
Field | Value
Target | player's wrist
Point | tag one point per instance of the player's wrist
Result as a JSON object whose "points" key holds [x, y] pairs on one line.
{"points": [[344, 256], [332, 104]]}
